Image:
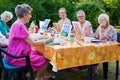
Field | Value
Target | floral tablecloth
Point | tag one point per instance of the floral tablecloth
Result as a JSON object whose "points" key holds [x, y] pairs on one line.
{"points": [[67, 56]]}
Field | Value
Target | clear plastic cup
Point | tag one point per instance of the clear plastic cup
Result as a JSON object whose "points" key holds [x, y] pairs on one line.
{"points": [[71, 40]]}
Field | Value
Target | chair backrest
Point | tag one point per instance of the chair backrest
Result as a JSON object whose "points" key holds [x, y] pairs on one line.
{"points": [[118, 37], [1, 56], [9, 67], [2, 52]]}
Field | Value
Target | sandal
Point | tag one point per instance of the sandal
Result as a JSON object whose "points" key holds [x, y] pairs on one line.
{"points": [[48, 77], [76, 69]]}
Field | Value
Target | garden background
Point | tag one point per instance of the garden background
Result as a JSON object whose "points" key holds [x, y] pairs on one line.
{"points": [[43, 9]]}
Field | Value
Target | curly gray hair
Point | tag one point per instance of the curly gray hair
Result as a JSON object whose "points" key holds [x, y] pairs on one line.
{"points": [[6, 13]]}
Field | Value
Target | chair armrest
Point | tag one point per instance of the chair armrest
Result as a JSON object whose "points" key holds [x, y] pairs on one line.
{"points": [[21, 56]]}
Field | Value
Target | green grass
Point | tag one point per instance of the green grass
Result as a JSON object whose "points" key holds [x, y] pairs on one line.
{"points": [[67, 74], [118, 30]]}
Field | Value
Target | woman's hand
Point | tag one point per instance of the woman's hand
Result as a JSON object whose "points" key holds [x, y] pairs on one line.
{"points": [[103, 25], [102, 29], [7, 35], [49, 38]]}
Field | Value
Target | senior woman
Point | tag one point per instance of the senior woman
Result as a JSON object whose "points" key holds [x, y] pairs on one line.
{"points": [[85, 29], [5, 17], [20, 43], [63, 16], [105, 32], [85, 26]]}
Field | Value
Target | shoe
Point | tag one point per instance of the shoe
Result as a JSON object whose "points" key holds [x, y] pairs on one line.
{"points": [[76, 69], [48, 77], [95, 74]]}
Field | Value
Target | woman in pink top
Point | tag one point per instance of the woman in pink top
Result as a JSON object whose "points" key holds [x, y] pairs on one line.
{"points": [[20, 42]]}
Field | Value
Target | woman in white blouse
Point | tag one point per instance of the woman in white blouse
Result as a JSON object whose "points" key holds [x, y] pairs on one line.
{"points": [[63, 16]]}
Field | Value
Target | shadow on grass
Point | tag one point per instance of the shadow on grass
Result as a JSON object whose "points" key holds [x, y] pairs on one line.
{"points": [[67, 74]]}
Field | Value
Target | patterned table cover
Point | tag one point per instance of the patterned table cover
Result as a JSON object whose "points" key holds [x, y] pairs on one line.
{"points": [[72, 55]]}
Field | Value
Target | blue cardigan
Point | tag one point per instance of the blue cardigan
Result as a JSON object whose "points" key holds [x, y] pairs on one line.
{"points": [[4, 29]]}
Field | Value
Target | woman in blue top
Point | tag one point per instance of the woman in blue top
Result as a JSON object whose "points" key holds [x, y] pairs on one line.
{"points": [[5, 17]]}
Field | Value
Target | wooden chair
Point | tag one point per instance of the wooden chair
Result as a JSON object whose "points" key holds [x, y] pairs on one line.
{"points": [[15, 72]]}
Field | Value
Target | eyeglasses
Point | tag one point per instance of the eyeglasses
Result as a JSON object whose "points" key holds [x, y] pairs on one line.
{"points": [[61, 12], [7, 18], [80, 16]]}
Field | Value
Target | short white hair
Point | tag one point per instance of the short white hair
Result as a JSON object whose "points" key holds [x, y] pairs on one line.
{"points": [[105, 16], [6, 13], [80, 11], [62, 9]]}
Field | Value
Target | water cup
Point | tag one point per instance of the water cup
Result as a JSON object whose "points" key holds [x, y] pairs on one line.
{"points": [[62, 42]]}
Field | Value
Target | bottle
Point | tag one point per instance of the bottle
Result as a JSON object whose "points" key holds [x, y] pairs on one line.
{"points": [[36, 29], [52, 32], [32, 29], [41, 30]]}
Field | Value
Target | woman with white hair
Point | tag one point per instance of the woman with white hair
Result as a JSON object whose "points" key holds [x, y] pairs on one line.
{"points": [[105, 32], [63, 16], [85, 29], [85, 26], [5, 17]]}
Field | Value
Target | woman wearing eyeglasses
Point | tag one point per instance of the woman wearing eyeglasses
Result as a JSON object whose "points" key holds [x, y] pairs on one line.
{"points": [[5, 17], [63, 16], [85, 26]]}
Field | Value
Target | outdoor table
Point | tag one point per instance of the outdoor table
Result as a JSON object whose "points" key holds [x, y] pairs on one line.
{"points": [[73, 55]]}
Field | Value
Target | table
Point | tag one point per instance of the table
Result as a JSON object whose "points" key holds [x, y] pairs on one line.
{"points": [[73, 55], [76, 55]]}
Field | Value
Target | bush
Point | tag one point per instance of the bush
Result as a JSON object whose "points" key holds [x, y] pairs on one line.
{"points": [[115, 16], [92, 11], [112, 7], [49, 9]]}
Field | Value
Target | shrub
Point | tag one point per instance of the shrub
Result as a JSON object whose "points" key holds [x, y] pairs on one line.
{"points": [[92, 11]]}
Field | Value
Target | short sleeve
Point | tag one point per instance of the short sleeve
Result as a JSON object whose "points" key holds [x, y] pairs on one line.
{"points": [[112, 36], [19, 30], [88, 23]]}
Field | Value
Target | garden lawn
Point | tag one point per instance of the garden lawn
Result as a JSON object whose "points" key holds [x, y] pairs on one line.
{"points": [[67, 74]]}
